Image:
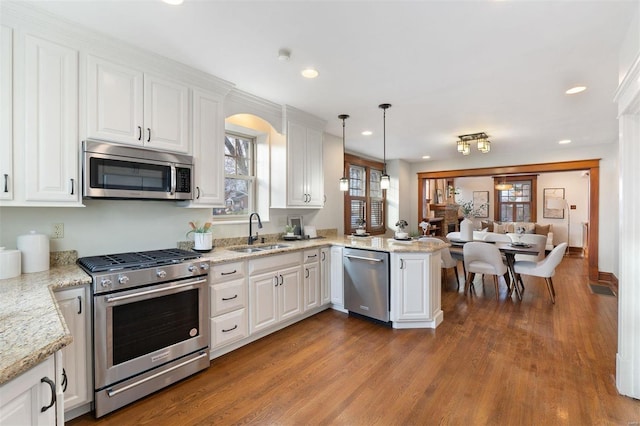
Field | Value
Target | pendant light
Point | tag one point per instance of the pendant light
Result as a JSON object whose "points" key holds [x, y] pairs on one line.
{"points": [[344, 180], [504, 186], [384, 179]]}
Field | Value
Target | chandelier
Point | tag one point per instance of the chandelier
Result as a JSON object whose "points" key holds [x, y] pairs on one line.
{"points": [[464, 143]]}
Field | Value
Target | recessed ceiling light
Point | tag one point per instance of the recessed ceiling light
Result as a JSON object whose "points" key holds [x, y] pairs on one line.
{"points": [[564, 141], [173, 2], [367, 133], [426, 157], [309, 73], [576, 89]]}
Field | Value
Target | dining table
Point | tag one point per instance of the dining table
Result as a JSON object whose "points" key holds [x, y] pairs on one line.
{"points": [[508, 249]]}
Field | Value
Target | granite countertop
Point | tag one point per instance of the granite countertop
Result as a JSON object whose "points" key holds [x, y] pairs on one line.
{"points": [[31, 326]]}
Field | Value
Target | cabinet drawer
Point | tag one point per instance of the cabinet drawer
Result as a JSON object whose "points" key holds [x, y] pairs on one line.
{"points": [[274, 262], [228, 296], [312, 255], [227, 271], [228, 328]]}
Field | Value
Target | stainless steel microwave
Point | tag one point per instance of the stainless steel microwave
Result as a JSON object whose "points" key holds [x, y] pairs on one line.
{"points": [[120, 171]]}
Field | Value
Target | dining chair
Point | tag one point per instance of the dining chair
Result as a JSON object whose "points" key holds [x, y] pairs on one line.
{"points": [[446, 260], [483, 258], [492, 237], [537, 241], [545, 268]]}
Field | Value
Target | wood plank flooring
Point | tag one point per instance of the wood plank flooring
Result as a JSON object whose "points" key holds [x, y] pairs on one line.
{"points": [[490, 362]]}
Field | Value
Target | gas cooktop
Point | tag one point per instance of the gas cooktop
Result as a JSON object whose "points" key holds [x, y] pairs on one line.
{"points": [[135, 260]]}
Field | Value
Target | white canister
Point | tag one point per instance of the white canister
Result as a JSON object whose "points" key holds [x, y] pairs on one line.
{"points": [[35, 252], [9, 263], [202, 240]]}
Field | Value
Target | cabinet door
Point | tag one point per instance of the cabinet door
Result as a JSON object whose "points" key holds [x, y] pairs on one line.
{"points": [[290, 292], [51, 121], [114, 102], [263, 299], [208, 149], [412, 301], [296, 162], [24, 397], [337, 287], [166, 114], [311, 285], [74, 306], [314, 178], [325, 276], [6, 113]]}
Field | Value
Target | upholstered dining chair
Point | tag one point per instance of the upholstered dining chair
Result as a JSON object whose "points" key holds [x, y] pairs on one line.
{"points": [[446, 261], [537, 241], [492, 237], [483, 258], [545, 268]]}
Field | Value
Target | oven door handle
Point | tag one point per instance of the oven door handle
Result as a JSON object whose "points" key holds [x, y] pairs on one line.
{"points": [[112, 393], [159, 290]]}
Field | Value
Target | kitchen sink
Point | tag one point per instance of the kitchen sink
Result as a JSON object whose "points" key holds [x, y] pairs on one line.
{"points": [[274, 246], [247, 249]]}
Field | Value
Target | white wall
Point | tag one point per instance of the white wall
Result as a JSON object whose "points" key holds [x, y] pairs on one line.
{"points": [[113, 226], [608, 203], [399, 195]]}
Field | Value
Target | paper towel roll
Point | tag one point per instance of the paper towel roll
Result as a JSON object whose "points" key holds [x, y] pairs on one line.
{"points": [[35, 252], [9, 263]]}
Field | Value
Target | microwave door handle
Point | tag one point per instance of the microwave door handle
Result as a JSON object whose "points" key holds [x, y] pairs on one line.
{"points": [[173, 179]]}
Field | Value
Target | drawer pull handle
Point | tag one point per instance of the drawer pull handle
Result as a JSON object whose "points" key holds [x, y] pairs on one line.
{"points": [[311, 257], [65, 382], [6, 182], [149, 135], [230, 329], [53, 393], [229, 273], [139, 133], [230, 298]]}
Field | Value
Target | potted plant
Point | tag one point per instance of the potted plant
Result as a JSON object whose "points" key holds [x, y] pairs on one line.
{"points": [[361, 229], [202, 236], [400, 233], [288, 230]]}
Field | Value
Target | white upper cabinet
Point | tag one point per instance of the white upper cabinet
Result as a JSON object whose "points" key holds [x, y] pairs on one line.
{"points": [[128, 106], [6, 113], [46, 74]]}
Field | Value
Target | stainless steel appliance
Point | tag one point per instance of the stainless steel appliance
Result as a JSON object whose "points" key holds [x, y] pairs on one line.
{"points": [[150, 322], [366, 283], [120, 171]]}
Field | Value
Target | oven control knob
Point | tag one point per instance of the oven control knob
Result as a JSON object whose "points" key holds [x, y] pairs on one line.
{"points": [[123, 279], [191, 268], [161, 273], [204, 266], [105, 282]]}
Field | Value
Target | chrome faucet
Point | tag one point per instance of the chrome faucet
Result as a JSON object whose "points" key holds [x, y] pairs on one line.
{"points": [[251, 238]]}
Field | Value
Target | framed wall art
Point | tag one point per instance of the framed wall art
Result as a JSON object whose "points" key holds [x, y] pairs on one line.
{"points": [[553, 208], [481, 203]]}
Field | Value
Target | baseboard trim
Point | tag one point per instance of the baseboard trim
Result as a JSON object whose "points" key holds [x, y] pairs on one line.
{"points": [[609, 278]]}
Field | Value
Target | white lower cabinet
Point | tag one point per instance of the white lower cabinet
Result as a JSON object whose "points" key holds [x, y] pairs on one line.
{"points": [[337, 286], [275, 290], [311, 266], [228, 303], [32, 398], [325, 275], [74, 304], [415, 290]]}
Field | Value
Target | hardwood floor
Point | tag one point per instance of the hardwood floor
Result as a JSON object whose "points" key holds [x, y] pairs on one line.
{"points": [[498, 363]]}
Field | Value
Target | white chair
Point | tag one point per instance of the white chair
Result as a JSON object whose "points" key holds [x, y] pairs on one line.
{"points": [[483, 258], [492, 237], [545, 268], [537, 241], [446, 261]]}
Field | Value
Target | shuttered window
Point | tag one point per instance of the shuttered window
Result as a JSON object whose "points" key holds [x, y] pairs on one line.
{"points": [[365, 200], [518, 203]]}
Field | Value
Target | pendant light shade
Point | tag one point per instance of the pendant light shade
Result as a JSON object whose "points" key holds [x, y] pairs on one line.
{"points": [[504, 185], [344, 180], [384, 179]]}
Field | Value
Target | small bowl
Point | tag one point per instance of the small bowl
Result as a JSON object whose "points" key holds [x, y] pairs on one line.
{"points": [[402, 235], [361, 231]]}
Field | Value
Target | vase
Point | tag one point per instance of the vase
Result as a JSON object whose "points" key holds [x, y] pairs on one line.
{"points": [[202, 240], [466, 229]]}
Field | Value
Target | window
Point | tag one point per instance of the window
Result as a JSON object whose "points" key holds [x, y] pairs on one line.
{"points": [[365, 200], [239, 181], [518, 203]]}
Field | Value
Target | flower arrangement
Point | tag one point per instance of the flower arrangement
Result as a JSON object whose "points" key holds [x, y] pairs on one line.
{"points": [[467, 208], [401, 224], [361, 222], [197, 229], [289, 229]]}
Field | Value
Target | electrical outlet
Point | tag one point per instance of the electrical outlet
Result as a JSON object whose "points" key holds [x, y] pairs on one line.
{"points": [[58, 231]]}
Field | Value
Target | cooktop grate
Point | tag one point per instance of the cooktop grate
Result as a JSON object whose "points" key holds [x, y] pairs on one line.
{"points": [[135, 260]]}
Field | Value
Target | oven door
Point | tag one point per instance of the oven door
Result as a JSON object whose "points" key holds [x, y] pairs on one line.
{"points": [[141, 329]]}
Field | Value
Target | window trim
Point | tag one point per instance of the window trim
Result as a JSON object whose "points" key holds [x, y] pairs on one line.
{"points": [[350, 160]]}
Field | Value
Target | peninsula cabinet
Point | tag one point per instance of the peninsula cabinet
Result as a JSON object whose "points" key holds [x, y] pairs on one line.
{"points": [[415, 290], [32, 398], [75, 306], [228, 303], [43, 145], [275, 290], [311, 266], [325, 275], [133, 107]]}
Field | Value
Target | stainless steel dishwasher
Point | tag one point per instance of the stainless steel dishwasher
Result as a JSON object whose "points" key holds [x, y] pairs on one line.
{"points": [[366, 283]]}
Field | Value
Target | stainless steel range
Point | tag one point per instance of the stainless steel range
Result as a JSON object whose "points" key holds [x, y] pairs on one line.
{"points": [[150, 322]]}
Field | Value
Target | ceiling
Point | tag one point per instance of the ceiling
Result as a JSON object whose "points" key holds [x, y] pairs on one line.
{"points": [[447, 67]]}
